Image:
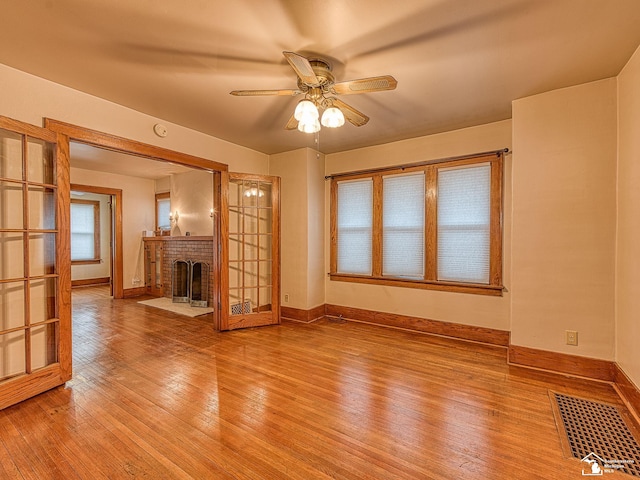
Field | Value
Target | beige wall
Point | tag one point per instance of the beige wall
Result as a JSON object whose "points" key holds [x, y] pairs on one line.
{"points": [[477, 310], [28, 98], [302, 221], [564, 203], [316, 272], [192, 198], [628, 240], [138, 206]]}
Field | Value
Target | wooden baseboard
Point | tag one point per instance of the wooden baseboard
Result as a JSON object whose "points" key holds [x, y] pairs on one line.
{"points": [[627, 390], [90, 281], [134, 292], [300, 315], [565, 363], [424, 325]]}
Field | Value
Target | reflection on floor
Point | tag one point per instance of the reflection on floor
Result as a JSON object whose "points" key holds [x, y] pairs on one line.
{"points": [[159, 395]]}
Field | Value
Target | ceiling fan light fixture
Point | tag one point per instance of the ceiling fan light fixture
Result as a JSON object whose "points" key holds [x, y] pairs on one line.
{"points": [[309, 126], [306, 109], [332, 118]]}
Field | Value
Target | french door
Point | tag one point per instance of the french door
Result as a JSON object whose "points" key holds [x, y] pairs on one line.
{"points": [[250, 213], [35, 333]]}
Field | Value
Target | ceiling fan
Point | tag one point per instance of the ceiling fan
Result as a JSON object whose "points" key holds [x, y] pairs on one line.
{"points": [[318, 85]]}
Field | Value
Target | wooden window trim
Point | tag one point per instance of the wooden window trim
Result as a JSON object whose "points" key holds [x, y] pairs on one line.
{"points": [[96, 232], [160, 196], [430, 282]]}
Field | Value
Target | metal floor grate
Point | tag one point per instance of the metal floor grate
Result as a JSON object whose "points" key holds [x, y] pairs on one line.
{"points": [[597, 432]]}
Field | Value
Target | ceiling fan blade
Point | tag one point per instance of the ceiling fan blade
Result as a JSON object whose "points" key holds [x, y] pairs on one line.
{"points": [[302, 68], [256, 93], [365, 85], [292, 124], [354, 116]]}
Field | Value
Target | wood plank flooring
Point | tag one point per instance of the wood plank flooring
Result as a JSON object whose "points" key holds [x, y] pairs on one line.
{"points": [[159, 396]]}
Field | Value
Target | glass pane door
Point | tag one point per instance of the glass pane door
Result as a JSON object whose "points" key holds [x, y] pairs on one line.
{"points": [[29, 257], [252, 251]]}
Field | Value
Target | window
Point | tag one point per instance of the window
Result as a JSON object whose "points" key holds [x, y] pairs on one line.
{"points": [[435, 226], [355, 226], [85, 231], [163, 209]]}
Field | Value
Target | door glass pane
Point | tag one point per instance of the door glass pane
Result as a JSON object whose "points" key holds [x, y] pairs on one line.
{"points": [[250, 247], [42, 293], [250, 300], [43, 346], [264, 195], [235, 193], [250, 274], [12, 360], [235, 275], [234, 247], [11, 305], [10, 155], [265, 219], [250, 194], [40, 161], [238, 306], [250, 220], [265, 274], [11, 255], [264, 252], [42, 208], [235, 220], [265, 299], [42, 253], [11, 205]]}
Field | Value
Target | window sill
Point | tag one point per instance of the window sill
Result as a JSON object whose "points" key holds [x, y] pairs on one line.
{"points": [[86, 262], [472, 288]]}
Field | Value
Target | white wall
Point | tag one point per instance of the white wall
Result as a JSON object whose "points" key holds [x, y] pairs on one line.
{"points": [[564, 204], [628, 239], [469, 309]]}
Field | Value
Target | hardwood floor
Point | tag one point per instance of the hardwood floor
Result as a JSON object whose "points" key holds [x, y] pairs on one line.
{"points": [[157, 396]]}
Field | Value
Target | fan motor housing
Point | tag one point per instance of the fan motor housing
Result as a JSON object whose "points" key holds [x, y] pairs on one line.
{"points": [[322, 69]]}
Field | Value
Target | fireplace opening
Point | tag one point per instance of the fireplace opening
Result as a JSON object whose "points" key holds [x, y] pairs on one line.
{"points": [[190, 283], [199, 284], [180, 281]]}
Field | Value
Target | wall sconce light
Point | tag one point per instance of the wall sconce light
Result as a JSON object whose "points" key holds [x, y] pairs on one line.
{"points": [[173, 217], [211, 213]]}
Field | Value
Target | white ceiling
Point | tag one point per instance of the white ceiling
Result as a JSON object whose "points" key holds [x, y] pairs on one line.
{"points": [[458, 62]]}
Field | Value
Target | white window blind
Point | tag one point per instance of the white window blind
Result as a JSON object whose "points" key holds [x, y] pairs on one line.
{"points": [[164, 208], [403, 225], [355, 225], [82, 231], [464, 208]]}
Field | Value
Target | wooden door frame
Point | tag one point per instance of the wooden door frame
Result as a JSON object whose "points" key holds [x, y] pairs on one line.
{"points": [[67, 133], [116, 237]]}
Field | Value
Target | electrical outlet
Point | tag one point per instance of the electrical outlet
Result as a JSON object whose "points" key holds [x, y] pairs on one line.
{"points": [[572, 337], [286, 298]]}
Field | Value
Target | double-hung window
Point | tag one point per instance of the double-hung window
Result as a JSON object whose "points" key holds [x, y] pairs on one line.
{"points": [[163, 209], [85, 231], [435, 225]]}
